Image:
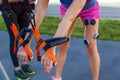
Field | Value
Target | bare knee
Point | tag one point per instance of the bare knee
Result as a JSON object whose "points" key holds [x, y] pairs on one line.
{"points": [[91, 49]]}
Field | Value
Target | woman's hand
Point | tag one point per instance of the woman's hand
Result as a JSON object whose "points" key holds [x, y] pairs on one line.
{"points": [[47, 63]]}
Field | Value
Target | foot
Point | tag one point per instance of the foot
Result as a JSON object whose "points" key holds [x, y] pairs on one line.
{"points": [[28, 70], [54, 78], [21, 75]]}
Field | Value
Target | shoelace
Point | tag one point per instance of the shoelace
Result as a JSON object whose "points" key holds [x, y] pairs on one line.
{"points": [[27, 67], [21, 72]]}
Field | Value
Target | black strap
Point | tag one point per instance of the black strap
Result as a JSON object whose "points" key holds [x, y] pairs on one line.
{"points": [[30, 12]]}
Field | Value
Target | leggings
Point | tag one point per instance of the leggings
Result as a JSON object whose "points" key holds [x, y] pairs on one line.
{"points": [[21, 19]]}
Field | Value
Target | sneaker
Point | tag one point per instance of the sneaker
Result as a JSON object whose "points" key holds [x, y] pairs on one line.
{"points": [[54, 78], [28, 70], [21, 75]]}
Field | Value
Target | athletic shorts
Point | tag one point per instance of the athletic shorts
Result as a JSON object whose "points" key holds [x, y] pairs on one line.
{"points": [[87, 14]]}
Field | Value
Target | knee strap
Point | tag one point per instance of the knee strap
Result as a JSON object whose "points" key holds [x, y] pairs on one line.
{"points": [[87, 41], [96, 35], [92, 22]]}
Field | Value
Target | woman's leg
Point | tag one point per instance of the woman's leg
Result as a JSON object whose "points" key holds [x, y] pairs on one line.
{"points": [[11, 36], [94, 59], [62, 51]]}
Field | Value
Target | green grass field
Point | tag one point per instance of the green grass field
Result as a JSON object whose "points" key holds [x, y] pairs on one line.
{"points": [[108, 29]]}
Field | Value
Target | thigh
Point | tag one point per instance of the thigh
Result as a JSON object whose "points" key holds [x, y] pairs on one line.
{"points": [[71, 28], [90, 30], [8, 21], [23, 20]]}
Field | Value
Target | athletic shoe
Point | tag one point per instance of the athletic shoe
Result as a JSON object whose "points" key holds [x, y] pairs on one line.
{"points": [[28, 70], [21, 75]]}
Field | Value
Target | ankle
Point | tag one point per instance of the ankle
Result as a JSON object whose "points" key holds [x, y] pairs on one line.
{"points": [[17, 68]]}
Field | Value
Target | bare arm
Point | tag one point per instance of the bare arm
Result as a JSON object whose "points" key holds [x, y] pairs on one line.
{"points": [[40, 11], [69, 17]]}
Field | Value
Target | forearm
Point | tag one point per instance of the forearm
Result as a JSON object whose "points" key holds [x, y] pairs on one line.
{"points": [[69, 17], [40, 11]]}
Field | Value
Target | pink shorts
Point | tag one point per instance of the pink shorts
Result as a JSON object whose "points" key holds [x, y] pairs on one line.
{"points": [[87, 14]]}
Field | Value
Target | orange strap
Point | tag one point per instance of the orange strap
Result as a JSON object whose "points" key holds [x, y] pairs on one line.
{"points": [[37, 49], [49, 52], [36, 34], [43, 44], [15, 49], [26, 48]]}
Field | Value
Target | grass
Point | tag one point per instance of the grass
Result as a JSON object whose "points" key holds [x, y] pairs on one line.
{"points": [[108, 29]]}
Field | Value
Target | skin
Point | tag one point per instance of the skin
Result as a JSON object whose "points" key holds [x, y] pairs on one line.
{"points": [[66, 26]]}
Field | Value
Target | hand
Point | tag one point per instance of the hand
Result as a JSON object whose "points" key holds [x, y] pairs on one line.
{"points": [[47, 63], [22, 55]]}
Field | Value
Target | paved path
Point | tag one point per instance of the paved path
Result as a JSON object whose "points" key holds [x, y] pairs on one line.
{"points": [[76, 66], [106, 12]]}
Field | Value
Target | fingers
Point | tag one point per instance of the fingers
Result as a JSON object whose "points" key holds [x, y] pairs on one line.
{"points": [[21, 54], [25, 59], [48, 68], [47, 63]]}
